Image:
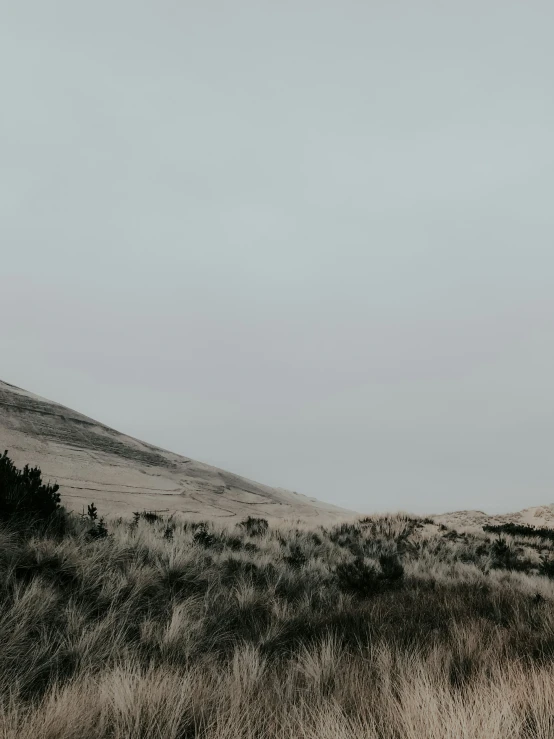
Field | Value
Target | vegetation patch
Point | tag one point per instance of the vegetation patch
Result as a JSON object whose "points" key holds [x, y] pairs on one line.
{"points": [[380, 628]]}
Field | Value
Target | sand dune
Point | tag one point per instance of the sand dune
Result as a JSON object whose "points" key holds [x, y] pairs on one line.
{"points": [[538, 516], [92, 462]]}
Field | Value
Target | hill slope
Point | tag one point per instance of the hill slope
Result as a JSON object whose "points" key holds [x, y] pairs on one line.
{"points": [[92, 462], [538, 516]]}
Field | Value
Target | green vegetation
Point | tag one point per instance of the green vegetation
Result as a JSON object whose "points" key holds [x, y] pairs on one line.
{"points": [[383, 628]]}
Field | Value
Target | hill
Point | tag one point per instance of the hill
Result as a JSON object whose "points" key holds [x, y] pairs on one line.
{"points": [[92, 462], [537, 516]]}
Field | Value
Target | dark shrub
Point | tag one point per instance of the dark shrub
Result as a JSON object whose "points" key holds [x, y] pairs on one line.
{"points": [[203, 537], [98, 529], [503, 556], [345, 534], [516, 529], [348, 536], [358, 578], [148, 516], [452, 535], [234, 543], [546, 567], [506, 557], [233, 569], [363, 580], [296, 558], [392, 570], [255, 526], [23, 495]]}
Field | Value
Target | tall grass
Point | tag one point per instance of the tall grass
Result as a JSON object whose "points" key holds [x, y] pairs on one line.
{"points": [[386, 628]]}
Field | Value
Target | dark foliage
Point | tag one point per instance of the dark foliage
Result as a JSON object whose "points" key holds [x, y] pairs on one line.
{"points": [[348, 536], [234, 543], [98, 528], [547, 567], [504, 556], [23, 495], [391, 568], [296, 557], [364, 580], [255, 526], [515, 529], [148, 516], [204, 537], [345, 534]]}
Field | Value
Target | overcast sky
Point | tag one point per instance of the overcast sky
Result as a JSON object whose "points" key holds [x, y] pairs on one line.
{"points": [[308, 242]]}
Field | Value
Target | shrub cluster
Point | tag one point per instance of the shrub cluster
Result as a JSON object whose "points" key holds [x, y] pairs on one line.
{"points": [[518, 529], [23, 495], [364, 579]]}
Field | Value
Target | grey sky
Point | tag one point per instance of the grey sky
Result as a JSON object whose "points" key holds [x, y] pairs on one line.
{"points": [[309, 242]]}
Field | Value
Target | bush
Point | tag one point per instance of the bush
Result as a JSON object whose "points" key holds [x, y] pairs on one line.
{"points": [[348, 536], [345, 535], [296, 558], [23, 495], [503, 556], [391, 568], [149, 516], [516, 529], [358, 578], [203, 537], [547, 567], [363, 580], [255, 526]]}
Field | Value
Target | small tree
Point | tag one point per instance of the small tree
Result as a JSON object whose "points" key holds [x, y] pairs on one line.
{"points": [[23, 494], [92, 512]]}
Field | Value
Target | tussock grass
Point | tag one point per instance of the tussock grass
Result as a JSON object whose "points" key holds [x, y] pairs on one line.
{"points": [[389, 627]]}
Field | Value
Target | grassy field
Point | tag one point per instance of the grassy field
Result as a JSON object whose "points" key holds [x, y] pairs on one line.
{"points": [[390, 627]]}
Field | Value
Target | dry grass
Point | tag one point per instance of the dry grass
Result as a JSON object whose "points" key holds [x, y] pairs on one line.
{"points": [[174, 631]]}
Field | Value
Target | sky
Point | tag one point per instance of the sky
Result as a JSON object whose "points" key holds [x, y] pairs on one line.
{"points": [[309, 242]]}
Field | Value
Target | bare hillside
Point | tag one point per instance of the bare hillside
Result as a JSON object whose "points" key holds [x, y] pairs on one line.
{"points": [[92, 462]]}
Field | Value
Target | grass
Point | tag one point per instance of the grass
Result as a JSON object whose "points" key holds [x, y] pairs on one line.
{"points": [[386, 628]]}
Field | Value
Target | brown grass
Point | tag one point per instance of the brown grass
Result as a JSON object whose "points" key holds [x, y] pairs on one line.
{"points": [[238, 636]]}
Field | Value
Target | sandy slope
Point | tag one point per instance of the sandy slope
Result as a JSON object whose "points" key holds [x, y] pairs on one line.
{"points": [[92, 462], [539, 516]]}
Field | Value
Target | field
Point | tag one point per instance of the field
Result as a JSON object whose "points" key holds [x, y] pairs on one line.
{"points": [[390, 627]]}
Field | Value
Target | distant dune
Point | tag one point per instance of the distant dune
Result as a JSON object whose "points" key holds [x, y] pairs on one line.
{"points": [[539, 516], [92, 462]]}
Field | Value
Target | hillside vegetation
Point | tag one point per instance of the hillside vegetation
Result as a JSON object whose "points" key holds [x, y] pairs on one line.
{"points": [[390, 627]]}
